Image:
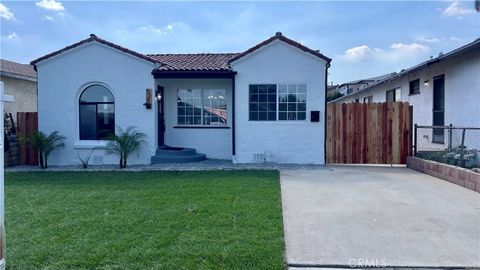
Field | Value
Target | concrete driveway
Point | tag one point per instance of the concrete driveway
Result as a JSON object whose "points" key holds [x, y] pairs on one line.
{"points": [[378, 215]]}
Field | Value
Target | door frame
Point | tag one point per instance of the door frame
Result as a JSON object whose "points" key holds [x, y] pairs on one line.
{"points": [[438, 133], [160, 115]]}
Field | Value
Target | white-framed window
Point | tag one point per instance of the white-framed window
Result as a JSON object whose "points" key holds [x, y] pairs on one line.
{"points": [[262, 100], [292, 102], [202, 107], [368, 99], [272, 102], [394, 95]]}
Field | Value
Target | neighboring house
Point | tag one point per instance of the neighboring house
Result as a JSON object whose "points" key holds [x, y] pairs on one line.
{"points": [[264, 104], [20, 81], [443, 90], [354, 86]]}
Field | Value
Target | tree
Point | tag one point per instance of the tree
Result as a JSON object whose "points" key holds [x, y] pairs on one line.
{"points": [[43, 145], [332, 95], [126, 142]]}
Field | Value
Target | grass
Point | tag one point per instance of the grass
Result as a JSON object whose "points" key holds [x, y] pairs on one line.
{"points": [[144, 220]]}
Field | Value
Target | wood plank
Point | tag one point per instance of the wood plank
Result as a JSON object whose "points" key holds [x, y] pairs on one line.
{"points": [[396, 128], [344, 133]]}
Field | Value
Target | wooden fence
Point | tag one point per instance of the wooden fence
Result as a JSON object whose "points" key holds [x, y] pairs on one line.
{"points": [[371, 133], [27, 123]]}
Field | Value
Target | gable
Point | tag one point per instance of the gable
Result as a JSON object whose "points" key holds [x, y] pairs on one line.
{"points": [[279, 55], [279, 37], [93, 39]]}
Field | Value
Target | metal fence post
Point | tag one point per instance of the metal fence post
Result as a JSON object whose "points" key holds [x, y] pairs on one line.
{"points": [[415, 140], [450, 137], [462, 149]]}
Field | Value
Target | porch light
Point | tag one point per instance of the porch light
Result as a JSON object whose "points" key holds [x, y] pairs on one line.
{"points": [[158, 95], [426, 83]]}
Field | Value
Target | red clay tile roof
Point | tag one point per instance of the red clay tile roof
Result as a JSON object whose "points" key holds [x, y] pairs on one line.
{"points": [[9, 67], [90, 39], [194, 62], [279, 36]]}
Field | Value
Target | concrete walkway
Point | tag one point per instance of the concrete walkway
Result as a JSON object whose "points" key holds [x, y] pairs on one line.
{"points": [[389, 217]]}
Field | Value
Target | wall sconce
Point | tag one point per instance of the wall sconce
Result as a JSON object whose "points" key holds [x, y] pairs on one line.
{"points": [[158, 95], [148, 99], [426, 83]]}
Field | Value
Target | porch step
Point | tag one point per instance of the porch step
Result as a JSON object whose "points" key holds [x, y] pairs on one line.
{"points": [[168, 154]]}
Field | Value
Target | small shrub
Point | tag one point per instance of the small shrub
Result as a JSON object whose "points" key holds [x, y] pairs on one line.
{"points": [[126, 142], [43, 145]]}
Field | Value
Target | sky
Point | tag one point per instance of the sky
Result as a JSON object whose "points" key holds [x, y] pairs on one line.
{"points": [[364, 38]]}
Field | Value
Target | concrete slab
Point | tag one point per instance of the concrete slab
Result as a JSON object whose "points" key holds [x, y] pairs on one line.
{"points": [[378, 215]]}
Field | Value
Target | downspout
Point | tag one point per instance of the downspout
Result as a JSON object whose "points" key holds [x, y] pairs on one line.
{"points": [[325, 117]]}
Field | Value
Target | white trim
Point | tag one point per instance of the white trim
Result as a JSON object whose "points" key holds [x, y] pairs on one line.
{"points": [[277, 104], [89, 144]]}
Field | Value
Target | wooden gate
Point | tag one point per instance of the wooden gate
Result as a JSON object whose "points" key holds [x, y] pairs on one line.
{"points": [[27, 123], [371, 133]]}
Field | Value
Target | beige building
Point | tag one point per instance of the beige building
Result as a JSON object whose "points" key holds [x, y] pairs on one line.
{"points": [[20, 81]]}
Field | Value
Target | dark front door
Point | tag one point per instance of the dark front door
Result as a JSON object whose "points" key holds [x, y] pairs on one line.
{"points": [[438, 108], [161, 117]]}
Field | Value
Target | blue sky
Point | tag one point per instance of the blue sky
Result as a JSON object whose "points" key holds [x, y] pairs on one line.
{"points": [[363, 38]]}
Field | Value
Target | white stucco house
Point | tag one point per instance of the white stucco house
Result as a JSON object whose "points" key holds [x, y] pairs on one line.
{"points": [[443, 90], [264, 104]]}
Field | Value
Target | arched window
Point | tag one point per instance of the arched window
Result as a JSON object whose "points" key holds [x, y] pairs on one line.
{"points": [[97, 113]]}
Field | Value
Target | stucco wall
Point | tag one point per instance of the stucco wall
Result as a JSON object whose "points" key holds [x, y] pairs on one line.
{"points": [[61, 80], [25, 94], [462, 91], [214, 142], [282, 141]]}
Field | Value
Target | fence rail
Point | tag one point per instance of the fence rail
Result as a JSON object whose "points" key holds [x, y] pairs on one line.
{"points": [[459, 146], [375, 133]]}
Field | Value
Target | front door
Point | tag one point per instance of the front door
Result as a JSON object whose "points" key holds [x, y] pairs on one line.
{"points": [[161, 117], [438, 108]]}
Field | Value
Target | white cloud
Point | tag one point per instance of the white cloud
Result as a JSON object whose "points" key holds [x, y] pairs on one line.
{"points": [[358, 53], [427, 39], [453, 38], [396, 51], [48, 18], [414, 47], [50, 5], [6, 13], [158, 31], [12, 36], [454, 9]]}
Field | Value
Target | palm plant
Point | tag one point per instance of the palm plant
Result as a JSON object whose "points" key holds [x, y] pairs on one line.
{"points": [[126, 142], [44, 145]]}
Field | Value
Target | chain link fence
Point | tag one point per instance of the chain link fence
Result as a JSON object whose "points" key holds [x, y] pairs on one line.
{"points": [[447, 144]]}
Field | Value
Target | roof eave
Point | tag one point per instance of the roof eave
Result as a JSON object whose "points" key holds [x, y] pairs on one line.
{"points": [[17, 76], [279, 36], [88, 40], [192, 74]]}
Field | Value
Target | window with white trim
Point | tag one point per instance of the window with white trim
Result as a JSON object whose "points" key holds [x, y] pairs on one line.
{"points": [[292, 102], [202, 107], [262, 102]]}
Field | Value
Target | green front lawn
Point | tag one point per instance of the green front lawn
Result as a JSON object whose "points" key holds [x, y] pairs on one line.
{"points": [[144, 220]]}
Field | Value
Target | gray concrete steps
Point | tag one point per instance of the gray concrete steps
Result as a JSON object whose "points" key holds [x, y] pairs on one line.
{"points": [[167, 154]]}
